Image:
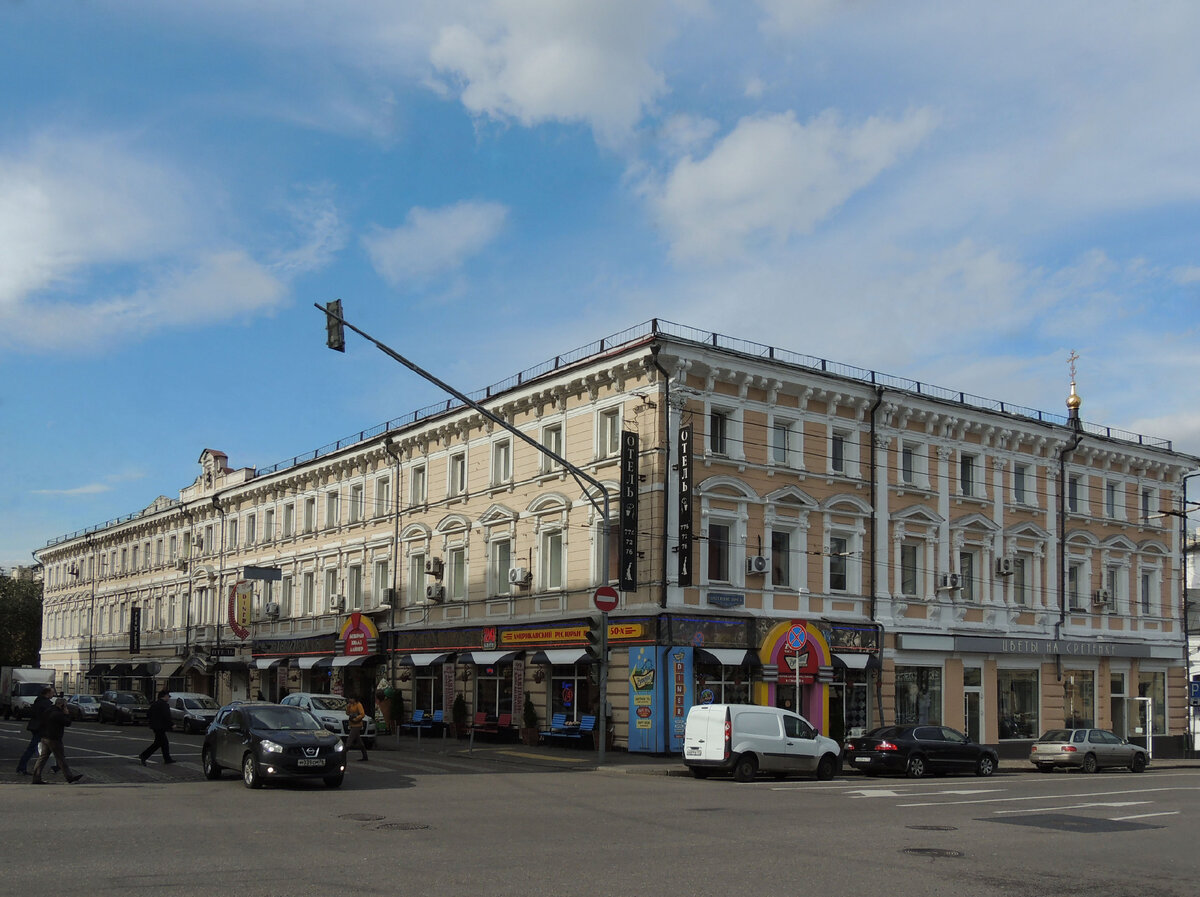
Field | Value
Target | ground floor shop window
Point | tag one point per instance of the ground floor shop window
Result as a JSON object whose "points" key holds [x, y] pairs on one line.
{"points": [[573, 690], [1017, 693], [427, 689], [918, 695], [494, 689], [717, 683], [1116, 703], [1079, 699], [1154, 687]]}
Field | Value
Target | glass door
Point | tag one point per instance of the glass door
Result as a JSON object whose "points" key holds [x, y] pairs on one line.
{"points": [[1145, 722], [973, 703]]}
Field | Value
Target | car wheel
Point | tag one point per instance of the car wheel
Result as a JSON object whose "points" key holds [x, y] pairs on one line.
{"points": [[1138, 763], [209, 763], [916, 767], [699, 773], [746, 768], [1089, 763], [334, 781], [251, 777], [827, 768], [986, 766]]}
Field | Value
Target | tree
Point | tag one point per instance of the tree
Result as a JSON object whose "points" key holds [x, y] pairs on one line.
{"points": [[20, 622]]}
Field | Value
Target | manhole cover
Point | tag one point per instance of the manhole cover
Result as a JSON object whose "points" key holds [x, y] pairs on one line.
{"points": [[935, 852], [933, 828], [361, 817], [401, 826]]}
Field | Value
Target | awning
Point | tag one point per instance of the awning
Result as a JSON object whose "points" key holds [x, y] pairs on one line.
{"points": [[856, 661], [356, 660], [561, 656], [487, 658], [121, 669], [730, 657], [268, 663], [424, 660], [314, 660], [140, 670], [97, 671], [195, 662], [168, 672]]}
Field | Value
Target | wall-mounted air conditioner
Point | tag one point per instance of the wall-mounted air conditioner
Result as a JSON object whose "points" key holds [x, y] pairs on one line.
{"points": [[519, 576], [272, 609], [1004, 566], [756, 564], [434, 567], [181, 564], [337, 603], [1101, 597], [950, 581], [436, 594]]}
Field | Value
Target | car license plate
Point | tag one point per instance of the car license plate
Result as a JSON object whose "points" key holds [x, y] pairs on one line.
{"points": [[862, 759], [693, 750], [304, 761]]}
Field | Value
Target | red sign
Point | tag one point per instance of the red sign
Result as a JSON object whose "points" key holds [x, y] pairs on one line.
{"points": [[605, 599]]}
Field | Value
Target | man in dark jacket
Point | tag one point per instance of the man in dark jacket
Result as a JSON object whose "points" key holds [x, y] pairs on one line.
{"points": [[41, 704], [159, 719], [54, 722]]}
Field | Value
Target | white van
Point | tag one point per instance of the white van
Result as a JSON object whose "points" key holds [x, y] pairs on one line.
{"points": [[746, 739]]}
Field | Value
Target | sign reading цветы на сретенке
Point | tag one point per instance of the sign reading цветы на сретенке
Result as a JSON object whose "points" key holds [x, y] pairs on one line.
{"points": [[1049, 646]]}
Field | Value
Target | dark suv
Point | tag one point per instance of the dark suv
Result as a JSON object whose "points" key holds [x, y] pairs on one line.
{"points": [[268, 742], [122, 707]]}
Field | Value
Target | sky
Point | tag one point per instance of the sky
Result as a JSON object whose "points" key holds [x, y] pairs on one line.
{"points": [[958, 193]]}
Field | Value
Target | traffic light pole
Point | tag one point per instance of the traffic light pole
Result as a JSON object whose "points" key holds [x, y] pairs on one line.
{"points": [[334, 324]]}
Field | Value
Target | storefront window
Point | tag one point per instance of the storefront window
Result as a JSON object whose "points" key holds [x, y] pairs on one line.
{"points": [[918, 695], [1154, 687], [1018, 703], [720, 684], [1079, 699], [427, 689], [1116, 702], [493, 689], [573, 690]]}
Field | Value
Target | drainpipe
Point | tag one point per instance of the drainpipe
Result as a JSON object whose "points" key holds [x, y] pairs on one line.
{"points": [[1073, 403], [389, 446], [871, 557], [655, 348]]}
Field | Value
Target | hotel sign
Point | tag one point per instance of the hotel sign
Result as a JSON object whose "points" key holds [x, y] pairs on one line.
{"points": [[684, 548], [630, 486]]}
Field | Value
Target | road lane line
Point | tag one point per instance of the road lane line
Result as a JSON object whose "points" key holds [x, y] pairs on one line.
{"points": [[1144, 816], [1114, 803], [994, 800]]}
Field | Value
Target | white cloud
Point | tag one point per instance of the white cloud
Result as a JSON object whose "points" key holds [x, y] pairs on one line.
{"points": [[556, 60], [89, 489], [433, 242], [773, 178]]}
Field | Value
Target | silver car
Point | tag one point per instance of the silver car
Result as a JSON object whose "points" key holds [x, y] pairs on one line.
{"points": [[1086, 749]]}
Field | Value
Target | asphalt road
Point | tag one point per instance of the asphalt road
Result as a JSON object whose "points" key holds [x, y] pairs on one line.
{"points": [[508, 820]]}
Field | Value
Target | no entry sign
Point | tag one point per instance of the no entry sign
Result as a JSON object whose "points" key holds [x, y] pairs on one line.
{"points": [[605, 599]]}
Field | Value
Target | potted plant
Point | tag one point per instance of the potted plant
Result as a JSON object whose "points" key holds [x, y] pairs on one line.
{"points": [[458, 714], [529, 722]]}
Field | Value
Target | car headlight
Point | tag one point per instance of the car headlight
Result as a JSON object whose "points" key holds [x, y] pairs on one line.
{"points": [[339, 747], [271, 747]]}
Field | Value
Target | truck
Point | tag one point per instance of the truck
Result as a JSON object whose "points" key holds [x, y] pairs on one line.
{"points": [[19, 688]]}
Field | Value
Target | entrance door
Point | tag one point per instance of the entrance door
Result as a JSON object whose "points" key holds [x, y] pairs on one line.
{"points": [[836, 725], [1144, 725], [973, 703]]}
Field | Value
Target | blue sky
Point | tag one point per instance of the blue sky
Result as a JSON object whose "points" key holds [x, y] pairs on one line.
{"points": [[956, 193]]}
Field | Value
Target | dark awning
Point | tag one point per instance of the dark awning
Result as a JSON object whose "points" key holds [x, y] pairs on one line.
{"points": [[562, 656], [309, 661], [355, 660], [268, 663], [97, 671], [424, 660], [121, 669], [487, 658], [859, 660], [140, 670], [730, 657]]}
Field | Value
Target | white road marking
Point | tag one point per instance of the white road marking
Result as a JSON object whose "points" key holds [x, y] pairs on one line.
{"points": [[1114, 803], [1144, 816], [993, 800]]}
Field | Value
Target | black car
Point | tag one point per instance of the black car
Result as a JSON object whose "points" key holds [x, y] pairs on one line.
{"points": [[917, 751], [122, 707], [268, 742]]}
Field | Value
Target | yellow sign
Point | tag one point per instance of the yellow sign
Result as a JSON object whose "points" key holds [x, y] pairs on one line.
{"points": [[551, 635], [245, 594]]}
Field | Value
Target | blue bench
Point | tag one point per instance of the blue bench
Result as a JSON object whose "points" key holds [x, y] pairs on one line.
{"points": [[558, 726], [415, 722], [570, 732]]}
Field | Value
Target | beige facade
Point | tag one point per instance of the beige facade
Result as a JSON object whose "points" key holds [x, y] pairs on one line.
{"points": [[911, 540]]}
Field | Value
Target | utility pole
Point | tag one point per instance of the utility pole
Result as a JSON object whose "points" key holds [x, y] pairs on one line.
{"points": [[335, 326]]}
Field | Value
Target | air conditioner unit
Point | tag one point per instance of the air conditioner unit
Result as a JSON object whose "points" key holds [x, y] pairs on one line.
{"points": [[756, 564], [337, 603], [950, 581], [1101, 597], [434, 567], [519, 576], [272, 609], [436, 594], [181, 564], [1004, 566], [198, 541]]}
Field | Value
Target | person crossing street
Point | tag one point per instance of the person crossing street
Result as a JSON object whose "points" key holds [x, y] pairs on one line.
{"points": [[159, 719], [355, 722]]}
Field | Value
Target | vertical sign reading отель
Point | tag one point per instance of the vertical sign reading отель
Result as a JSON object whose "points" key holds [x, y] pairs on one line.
{"points": [[629, 512], [684, 548]]}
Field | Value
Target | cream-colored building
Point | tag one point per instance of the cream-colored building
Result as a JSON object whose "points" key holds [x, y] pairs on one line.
{"points": [[866, 548]]}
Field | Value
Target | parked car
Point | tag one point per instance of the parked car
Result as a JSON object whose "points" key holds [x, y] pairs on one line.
{"points": [[746, 739], [122, 707], [83, 707], [330, 710], [268, 742], [192, 712], [1086, 749], [917, 751]]}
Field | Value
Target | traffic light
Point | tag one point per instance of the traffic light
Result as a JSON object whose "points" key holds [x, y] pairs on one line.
{"points": [[336, 336], [597, 638]]}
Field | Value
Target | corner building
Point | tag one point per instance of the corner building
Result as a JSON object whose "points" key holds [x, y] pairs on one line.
{"points": [[864, 548]]}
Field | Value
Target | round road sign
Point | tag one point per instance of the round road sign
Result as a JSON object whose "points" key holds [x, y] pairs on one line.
{"points": [[605, 599], [796, 637]]}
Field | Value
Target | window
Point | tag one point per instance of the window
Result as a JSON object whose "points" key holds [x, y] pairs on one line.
{"points": [[782, 438], [1017, 703], [552, 438], [494, 689], [135, 557], [310, 514], [839, 566], [1147, 500], [501, 462], [456, 573], [606, 566], [1146, 593], [331, 509], [918, 695], [609, 433], [1114, 582], [1074, 578], [718, 432], [172, 550], [781, 559], [1079, 699], [837, 452], [416, 577], [718, 552], [499, 563], [966, 572], [269, 525], [1020, 472], [719, 683], [910, 567], [552, 559], [574, 690], [380, 583], [209, 543], [231, 542], [1153, 686], [1116, 704], [354, 587], [1020, 581], [908, 465], [966, 474], [356, 503], [1110, 499], [158, 552], [458, 474], [1074, 496], [289, 521], [383, 496], [330, 586], [124, 559], [427, 688], [286, 597], [251, 528]]}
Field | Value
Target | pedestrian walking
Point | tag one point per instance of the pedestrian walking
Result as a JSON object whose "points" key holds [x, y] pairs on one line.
{"points": [[54, 723], [41, 705], [356, 714], [159, 718]]}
